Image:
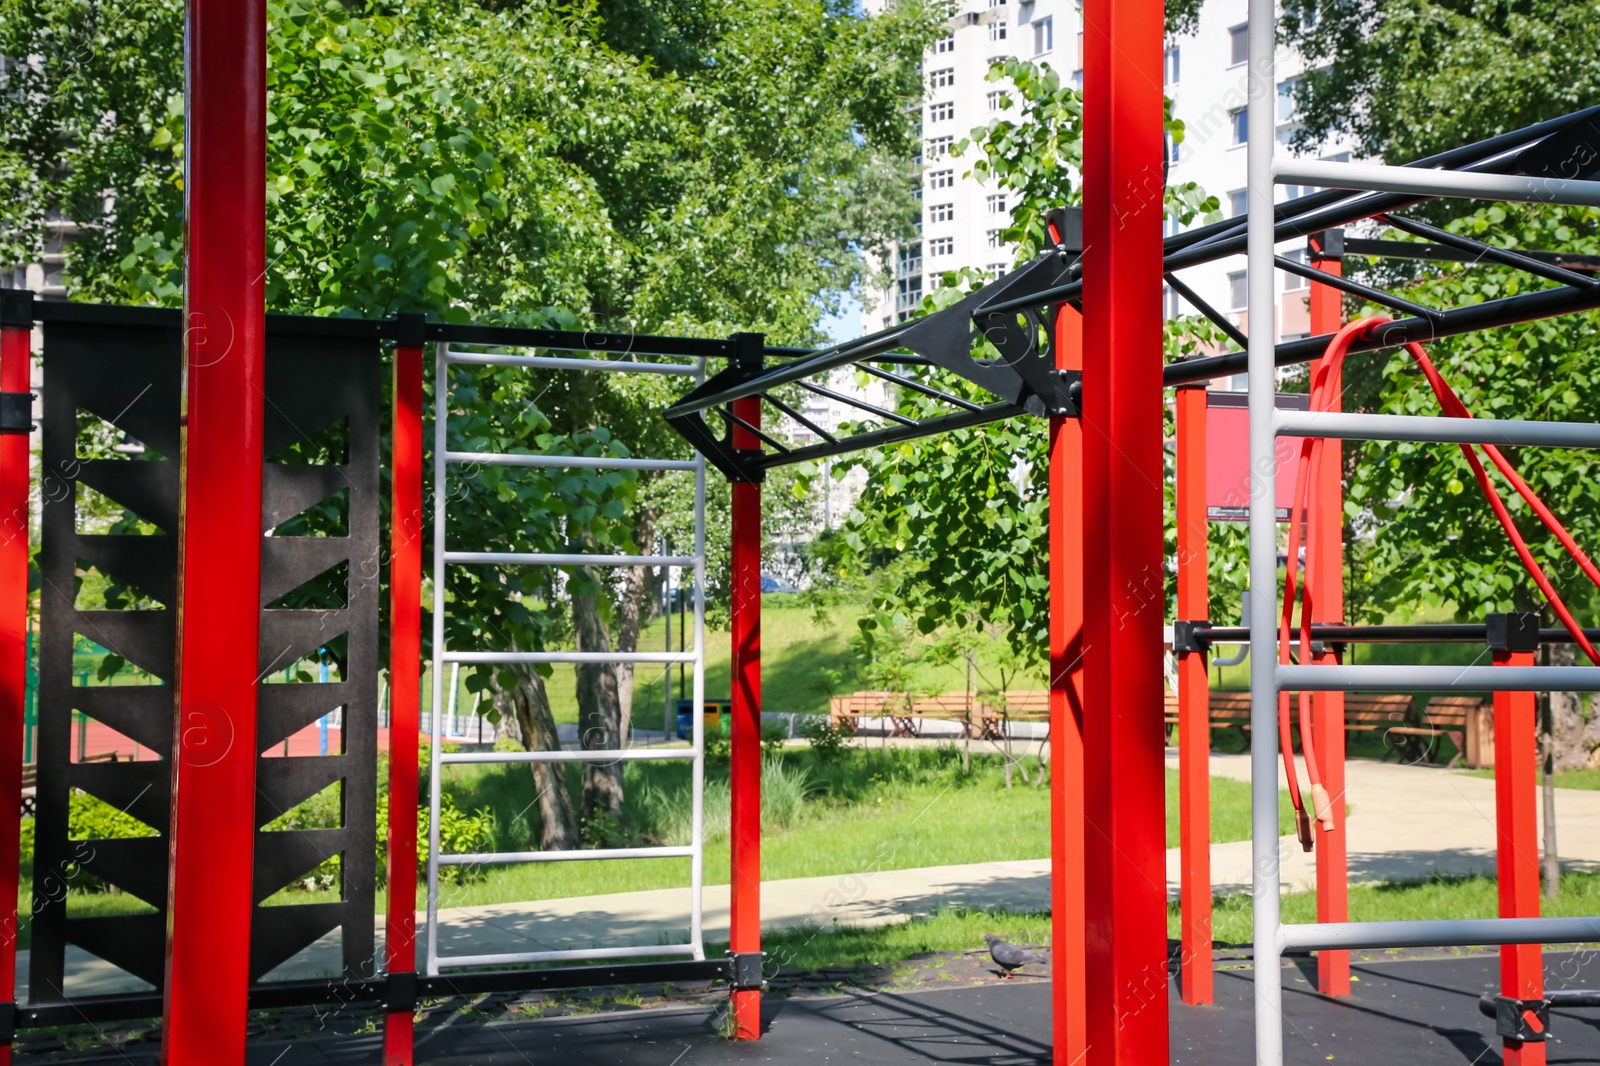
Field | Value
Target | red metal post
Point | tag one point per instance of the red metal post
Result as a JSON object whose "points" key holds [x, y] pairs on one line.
{"points": [[1069, 976], [1516, 764], [15, 363], [219, 580], [1124, 580], [744, 758], [1327, 510], [405, 685], [1194, 703]]}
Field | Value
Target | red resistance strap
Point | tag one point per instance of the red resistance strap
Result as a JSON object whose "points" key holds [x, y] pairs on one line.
{"points": [[1306, 474]]}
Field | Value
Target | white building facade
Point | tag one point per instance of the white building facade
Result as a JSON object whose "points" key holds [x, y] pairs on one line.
{"points": [[1205, 77]]}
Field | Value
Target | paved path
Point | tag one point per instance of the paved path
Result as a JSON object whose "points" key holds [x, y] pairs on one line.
{"points": [[1405, 823]]}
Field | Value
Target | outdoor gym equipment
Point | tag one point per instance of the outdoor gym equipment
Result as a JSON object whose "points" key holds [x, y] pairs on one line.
{"points": [[1076, 338]]}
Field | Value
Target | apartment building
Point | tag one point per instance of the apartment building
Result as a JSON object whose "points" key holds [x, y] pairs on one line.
{"points": [[1205, 76]]}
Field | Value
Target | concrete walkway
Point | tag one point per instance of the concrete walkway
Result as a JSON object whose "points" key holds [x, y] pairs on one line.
{"points": [[1405, 823]]}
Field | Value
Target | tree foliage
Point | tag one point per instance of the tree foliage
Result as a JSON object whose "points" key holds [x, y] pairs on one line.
{"points": [[1408, 78]]}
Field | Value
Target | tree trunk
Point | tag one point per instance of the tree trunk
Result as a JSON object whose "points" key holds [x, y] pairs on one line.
{"points": [[528, 707], [600, 716], [636, 600], [1575, 727]]}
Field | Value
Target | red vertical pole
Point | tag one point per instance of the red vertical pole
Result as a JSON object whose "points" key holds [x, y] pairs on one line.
{"points": [[405, 685], [1124, 580], [219, 573], [1516, 764], [744, 758], [1069, 976], [1194, 703], [1333, 881], [15, 362]]}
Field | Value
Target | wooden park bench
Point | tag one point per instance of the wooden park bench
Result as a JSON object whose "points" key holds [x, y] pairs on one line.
{"points": [[1229, 708], [1463, 720], [904, 712], [1017, 705]]}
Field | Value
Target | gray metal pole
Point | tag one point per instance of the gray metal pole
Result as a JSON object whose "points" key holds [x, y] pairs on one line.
{"points": [[1507, 433], [1373, 177], [1263, 534]]}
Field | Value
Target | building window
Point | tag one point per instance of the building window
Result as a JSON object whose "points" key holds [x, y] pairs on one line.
{"points": [[943, 79], [1294, 282], [942, 112], [1174, 226], [996, 101], [1170, 67], [997, 3], [994, 238], [908, 260], [941, 213], [997, 61], [908, 294], [1238, 291], [1172, 150], [1342, 157], [941, 246], [1044, 35], [1169, 303], [997, 204], [1286, 99], [939, 147], [973, 18], [997, 30], [1294, 192], [941, 179], [1239, 44], [997, 270], [1240, 120], [1238, 202], [1077, 79], [945, 45]]}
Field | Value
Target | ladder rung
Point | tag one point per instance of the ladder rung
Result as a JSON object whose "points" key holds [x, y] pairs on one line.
{"points": [[579, 855], [548, 362], [1438, 429], [570, 462], [517, 958], [1336, 678], [569, 657], [594, 755], [559, 559]]}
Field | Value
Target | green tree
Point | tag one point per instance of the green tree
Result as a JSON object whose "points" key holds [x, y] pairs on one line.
{"points": [[1409, 78]]}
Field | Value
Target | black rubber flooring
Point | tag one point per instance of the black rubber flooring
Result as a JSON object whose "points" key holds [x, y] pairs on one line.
{"points": [[1413, 1012]]}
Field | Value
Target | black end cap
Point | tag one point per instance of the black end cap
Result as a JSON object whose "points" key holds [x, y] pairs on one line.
{"points": [[748, 350], [1327, 245], [1068, 222], [1527, 1020], [410, 329], [16, 308], [1512, 632]]}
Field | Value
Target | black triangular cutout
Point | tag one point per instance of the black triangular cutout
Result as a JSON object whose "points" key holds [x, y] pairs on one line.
{"points": [[322, 810], [99, 439], [95, 512], [327, 591], [96, 741], [97, 591], [328, 445]]}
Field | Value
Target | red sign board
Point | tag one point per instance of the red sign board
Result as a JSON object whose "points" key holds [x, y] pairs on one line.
{"points": [[1228, 457]]}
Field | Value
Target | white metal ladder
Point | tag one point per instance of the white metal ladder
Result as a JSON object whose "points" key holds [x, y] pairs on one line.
{"points": [[443, 557]]}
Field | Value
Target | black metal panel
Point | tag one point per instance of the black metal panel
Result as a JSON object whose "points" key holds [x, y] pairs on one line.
{"points": [[312, 383], [123, 366], [127, 375]]}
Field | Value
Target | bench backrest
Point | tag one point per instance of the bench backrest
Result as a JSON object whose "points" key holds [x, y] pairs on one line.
{"points": [[1377, 708], [1450, 711]]}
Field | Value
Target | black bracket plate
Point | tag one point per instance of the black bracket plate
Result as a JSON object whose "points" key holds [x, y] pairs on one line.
{"points": [[1527, 1020], [1190, 637], [1512, 632], [746, 973], [8, 1023], [16, 413], [400, 993]]}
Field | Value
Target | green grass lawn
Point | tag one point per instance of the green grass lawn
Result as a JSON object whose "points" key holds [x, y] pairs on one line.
{"points": [[1582, 779], [952, 930]]}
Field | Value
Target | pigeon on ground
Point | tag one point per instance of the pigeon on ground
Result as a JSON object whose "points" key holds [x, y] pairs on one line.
{"points": [[1008, 956]]}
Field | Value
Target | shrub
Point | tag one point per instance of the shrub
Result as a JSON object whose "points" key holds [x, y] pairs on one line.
{"points": [[827, 739]]}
